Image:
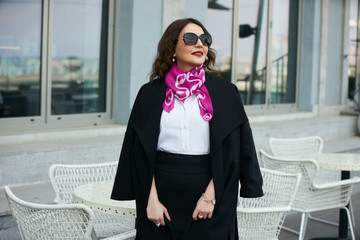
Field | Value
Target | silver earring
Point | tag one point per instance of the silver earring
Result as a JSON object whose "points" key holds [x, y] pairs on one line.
{"points": [[173, 59]]}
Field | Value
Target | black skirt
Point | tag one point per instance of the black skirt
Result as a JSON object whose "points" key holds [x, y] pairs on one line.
{"points": [[180, 180]]}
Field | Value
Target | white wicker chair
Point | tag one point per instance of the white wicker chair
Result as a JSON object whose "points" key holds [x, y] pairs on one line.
{"points": [[305, 147], [65, 178], [262, 218], [296, 147], [40, 221], [55, 221], [312, 197]]}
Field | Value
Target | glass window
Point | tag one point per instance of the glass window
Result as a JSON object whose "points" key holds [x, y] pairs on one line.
{"points": [[279, 54], [219, 24], [261, 42], [78, 81], [251, 51], [20, 52], [353, 71]]}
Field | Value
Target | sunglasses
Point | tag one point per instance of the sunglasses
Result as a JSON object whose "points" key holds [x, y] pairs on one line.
{"points": [[192, 38]]}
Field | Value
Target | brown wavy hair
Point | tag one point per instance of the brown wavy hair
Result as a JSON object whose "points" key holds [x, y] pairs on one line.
{"points": [[167, 45]]}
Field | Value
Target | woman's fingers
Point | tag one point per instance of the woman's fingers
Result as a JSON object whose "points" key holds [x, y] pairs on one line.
{"points": [[157, 220], [166, 213], [201, 215], [161, 221], [156, 212], [195, 214], [203, 210]]}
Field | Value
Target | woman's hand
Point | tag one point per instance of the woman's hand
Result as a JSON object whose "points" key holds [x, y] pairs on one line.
{"points": [[155, 210], [203, 210], [204, 206]]}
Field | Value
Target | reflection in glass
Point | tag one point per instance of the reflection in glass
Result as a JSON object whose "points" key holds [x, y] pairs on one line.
{"points": [[252, 69], [219, 24], [20, 50], [353, 48], [78, 75], [251, 53], [280, 91]]}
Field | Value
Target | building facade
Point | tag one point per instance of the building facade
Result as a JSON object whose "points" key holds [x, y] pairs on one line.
{"points": [[81, 63], [74, 64]]}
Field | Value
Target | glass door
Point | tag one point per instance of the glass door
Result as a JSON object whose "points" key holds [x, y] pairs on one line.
{"points": [[20, 58], [266, 53], [54, 62], [78, 69], [282, 88], [251, 71], [353, 56], [219, 24]]}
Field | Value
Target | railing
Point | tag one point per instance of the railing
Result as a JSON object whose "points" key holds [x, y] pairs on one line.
{"points": [[259, 90]]}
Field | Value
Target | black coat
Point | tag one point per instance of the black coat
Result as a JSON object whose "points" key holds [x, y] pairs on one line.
{"points": [[232, 153]]}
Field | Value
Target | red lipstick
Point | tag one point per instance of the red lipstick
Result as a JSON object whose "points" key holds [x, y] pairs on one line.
{"points": [[198, 53]]}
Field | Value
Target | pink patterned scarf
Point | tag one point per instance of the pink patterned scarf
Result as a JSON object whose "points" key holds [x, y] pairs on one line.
{"points": [[183, 85]]}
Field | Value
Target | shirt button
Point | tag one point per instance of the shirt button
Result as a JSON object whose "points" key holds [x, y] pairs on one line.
{"points": [[185, 127], [185, 146]]}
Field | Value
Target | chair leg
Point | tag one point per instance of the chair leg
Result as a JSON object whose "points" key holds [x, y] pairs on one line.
{"points": [[352, 213], [333, 223], [304, 217], [306, 222], [290, 230], [323, 220], [349, 222]]}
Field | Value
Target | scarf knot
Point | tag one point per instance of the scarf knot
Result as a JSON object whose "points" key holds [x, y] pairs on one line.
{"points": [[184, 84]]}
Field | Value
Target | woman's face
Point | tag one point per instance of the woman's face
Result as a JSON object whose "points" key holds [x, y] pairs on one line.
{"points": [[190, 56]]}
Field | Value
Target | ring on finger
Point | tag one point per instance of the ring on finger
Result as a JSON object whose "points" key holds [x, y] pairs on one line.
{"points": [[200, 216], [157, 224]]}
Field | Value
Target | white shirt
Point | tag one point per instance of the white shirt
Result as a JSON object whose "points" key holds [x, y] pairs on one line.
{"points": [[183, 130]]}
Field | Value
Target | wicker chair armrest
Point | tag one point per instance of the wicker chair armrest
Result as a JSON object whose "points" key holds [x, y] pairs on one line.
{"points": [[353, 180], [263, 209], [49, 206], [73, 218], [303, 160]]}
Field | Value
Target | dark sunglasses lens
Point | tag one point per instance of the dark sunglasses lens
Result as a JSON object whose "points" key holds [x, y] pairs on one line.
{"points": [[190, 38], [206, 39]]}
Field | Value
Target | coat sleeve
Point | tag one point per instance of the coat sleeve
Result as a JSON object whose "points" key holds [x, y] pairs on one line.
{"points": [[250, 175], [123, 184]]}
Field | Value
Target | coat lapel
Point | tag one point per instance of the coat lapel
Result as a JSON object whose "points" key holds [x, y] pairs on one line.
{"points": [[145, 118], [228, 113]]}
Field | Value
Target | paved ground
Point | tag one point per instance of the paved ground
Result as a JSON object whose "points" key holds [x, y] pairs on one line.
{"points": [[8, 229]]}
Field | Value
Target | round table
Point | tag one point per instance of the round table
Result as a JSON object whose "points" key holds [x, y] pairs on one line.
{"points": [[97, 196], [338, 161], [344, 162]]}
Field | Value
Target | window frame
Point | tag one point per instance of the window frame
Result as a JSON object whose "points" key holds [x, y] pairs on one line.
{"points": [[268, 107], [45, 119]]}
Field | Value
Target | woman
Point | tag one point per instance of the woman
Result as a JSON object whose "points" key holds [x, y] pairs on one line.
{"points": [[187, 145]]}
